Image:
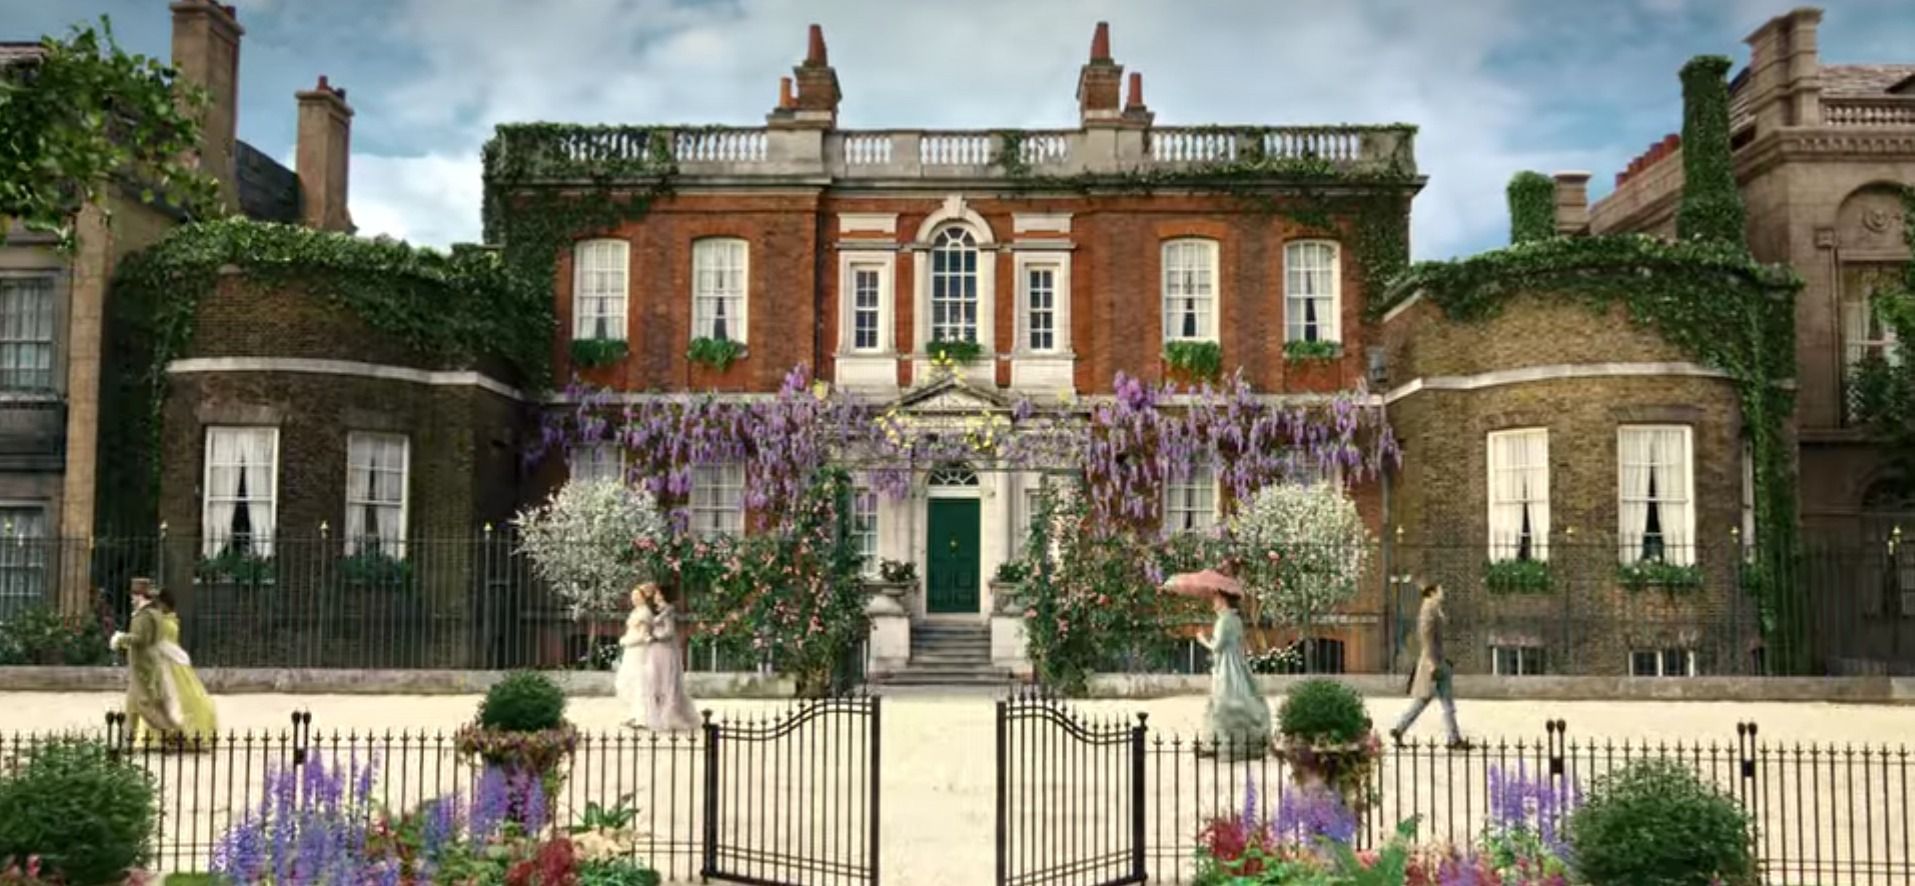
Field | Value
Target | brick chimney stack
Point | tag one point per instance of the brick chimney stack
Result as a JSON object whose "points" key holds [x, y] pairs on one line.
{"points": [[323, 157], [1784, 86], [1099, 82], [1572, 203], [816, 104], [206, 52]]}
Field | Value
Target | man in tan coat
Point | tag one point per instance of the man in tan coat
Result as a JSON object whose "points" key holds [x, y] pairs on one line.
{"points": [[1432, 678]]}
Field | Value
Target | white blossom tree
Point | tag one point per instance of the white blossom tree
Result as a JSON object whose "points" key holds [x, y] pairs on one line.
{"points": [[1303, 549], [582, 542]]}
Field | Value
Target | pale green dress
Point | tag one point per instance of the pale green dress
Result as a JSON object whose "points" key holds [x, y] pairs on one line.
{"points": [[1238, 717], [164, 698]]}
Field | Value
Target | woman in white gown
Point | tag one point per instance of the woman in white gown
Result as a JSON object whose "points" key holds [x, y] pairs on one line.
{"points": [[650, 679]]}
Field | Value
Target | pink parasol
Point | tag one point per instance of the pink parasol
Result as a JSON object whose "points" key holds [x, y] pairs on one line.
{"points": [[1203, 584]]}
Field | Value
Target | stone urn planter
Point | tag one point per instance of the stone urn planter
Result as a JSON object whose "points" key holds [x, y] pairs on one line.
{"points": [[1325, 734], [888, 597], [1007, 598]]}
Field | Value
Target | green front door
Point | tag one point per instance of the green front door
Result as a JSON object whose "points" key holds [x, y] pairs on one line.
{"points": [[952, 582]]}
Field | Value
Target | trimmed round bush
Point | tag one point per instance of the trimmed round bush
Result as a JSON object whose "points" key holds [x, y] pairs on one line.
{"points": [[87, 814], [525, 701], [1653, 823], [1323, 712]]}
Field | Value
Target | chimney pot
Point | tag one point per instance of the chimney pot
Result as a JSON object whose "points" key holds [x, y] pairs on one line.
{"points": [[1100, 43], [815, 50], [1136, 100], [785, 99]]}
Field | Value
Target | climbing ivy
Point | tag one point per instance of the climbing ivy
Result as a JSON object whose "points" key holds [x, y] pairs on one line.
{"points": [[456, 307], [1532, 207], [1711, 206]]}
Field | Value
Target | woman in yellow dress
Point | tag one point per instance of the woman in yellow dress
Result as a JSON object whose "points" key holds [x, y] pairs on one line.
{"points": [[164, 698]]}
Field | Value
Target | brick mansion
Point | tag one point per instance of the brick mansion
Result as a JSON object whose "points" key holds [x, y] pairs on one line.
{"points": [[941, 275]]}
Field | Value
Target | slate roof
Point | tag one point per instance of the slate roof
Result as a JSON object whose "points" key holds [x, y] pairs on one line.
{"points": [[1866, 81], [268, 191]]}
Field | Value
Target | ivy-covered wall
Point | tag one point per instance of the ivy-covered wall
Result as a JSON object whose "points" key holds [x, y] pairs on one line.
{"points": [[424, 308]]}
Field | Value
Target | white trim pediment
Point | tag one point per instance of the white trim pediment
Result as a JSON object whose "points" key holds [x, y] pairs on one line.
{"points": [[950, 394]]}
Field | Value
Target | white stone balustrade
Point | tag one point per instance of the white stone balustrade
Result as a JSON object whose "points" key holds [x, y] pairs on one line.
{"points": [[565, 153], [1869, 112]]}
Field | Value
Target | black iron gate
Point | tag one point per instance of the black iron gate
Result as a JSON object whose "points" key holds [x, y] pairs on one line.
{"points": [[794, 800], [1070, 796]]}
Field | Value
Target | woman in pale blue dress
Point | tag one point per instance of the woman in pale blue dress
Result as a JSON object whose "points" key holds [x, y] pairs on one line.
{"points": [[1237, 716]]}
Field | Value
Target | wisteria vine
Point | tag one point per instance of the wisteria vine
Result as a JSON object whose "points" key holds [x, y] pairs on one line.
{"points": [[1126, 445]]}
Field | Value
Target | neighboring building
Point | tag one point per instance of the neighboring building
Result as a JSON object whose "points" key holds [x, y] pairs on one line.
{"points": [[1556, 444], [54, 319], [1065, 257], [1821, 151]]}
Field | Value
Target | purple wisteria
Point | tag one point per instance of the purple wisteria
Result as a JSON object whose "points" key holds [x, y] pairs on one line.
{"points": [[1125, 445]]}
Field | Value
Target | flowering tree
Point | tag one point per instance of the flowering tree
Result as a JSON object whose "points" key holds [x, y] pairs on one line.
{"points": [[581, 542], [793, 597], [1303, 546]]}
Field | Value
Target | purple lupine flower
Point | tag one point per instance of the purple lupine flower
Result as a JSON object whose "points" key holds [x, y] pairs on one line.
{"points": [[1250, 811], [490, 801], [1308, 814]]}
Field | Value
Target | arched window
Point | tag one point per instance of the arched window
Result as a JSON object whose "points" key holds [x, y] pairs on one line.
{"points": [[599, 289], [954, 298], [1311, 303], [718, 289], [1190, 290]]}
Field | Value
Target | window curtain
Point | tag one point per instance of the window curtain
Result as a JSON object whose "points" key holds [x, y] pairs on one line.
{"points": [[257, 457], [1672, 493], [377, 495], [1519, 495], [222, 487], [1633, 460]]}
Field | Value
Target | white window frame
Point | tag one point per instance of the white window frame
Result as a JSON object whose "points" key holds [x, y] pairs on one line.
{"points": [[1521, 653], [613, 259], [717, 502], [1679, 530], [29, 337], [212, 543], [979, 332], [885, 265], [1027, 310], [864, 527], [1687, 660], [1328, 328], [711, 258], [356, 540], [604, 460], [1514, 488], [1185, 262], [1182, 510], [23, 554]]}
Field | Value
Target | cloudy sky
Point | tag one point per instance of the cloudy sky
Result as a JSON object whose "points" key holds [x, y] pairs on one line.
{"points": [[1496, 85]]}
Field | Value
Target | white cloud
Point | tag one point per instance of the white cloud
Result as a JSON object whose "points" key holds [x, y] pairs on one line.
{"points": [[431, 199], [1013, 63], [959, 65]]}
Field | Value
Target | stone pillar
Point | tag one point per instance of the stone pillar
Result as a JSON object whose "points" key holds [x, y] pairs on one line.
{"points": [[206, 52], [324, 157], [890, 629], [1009, 647]]}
